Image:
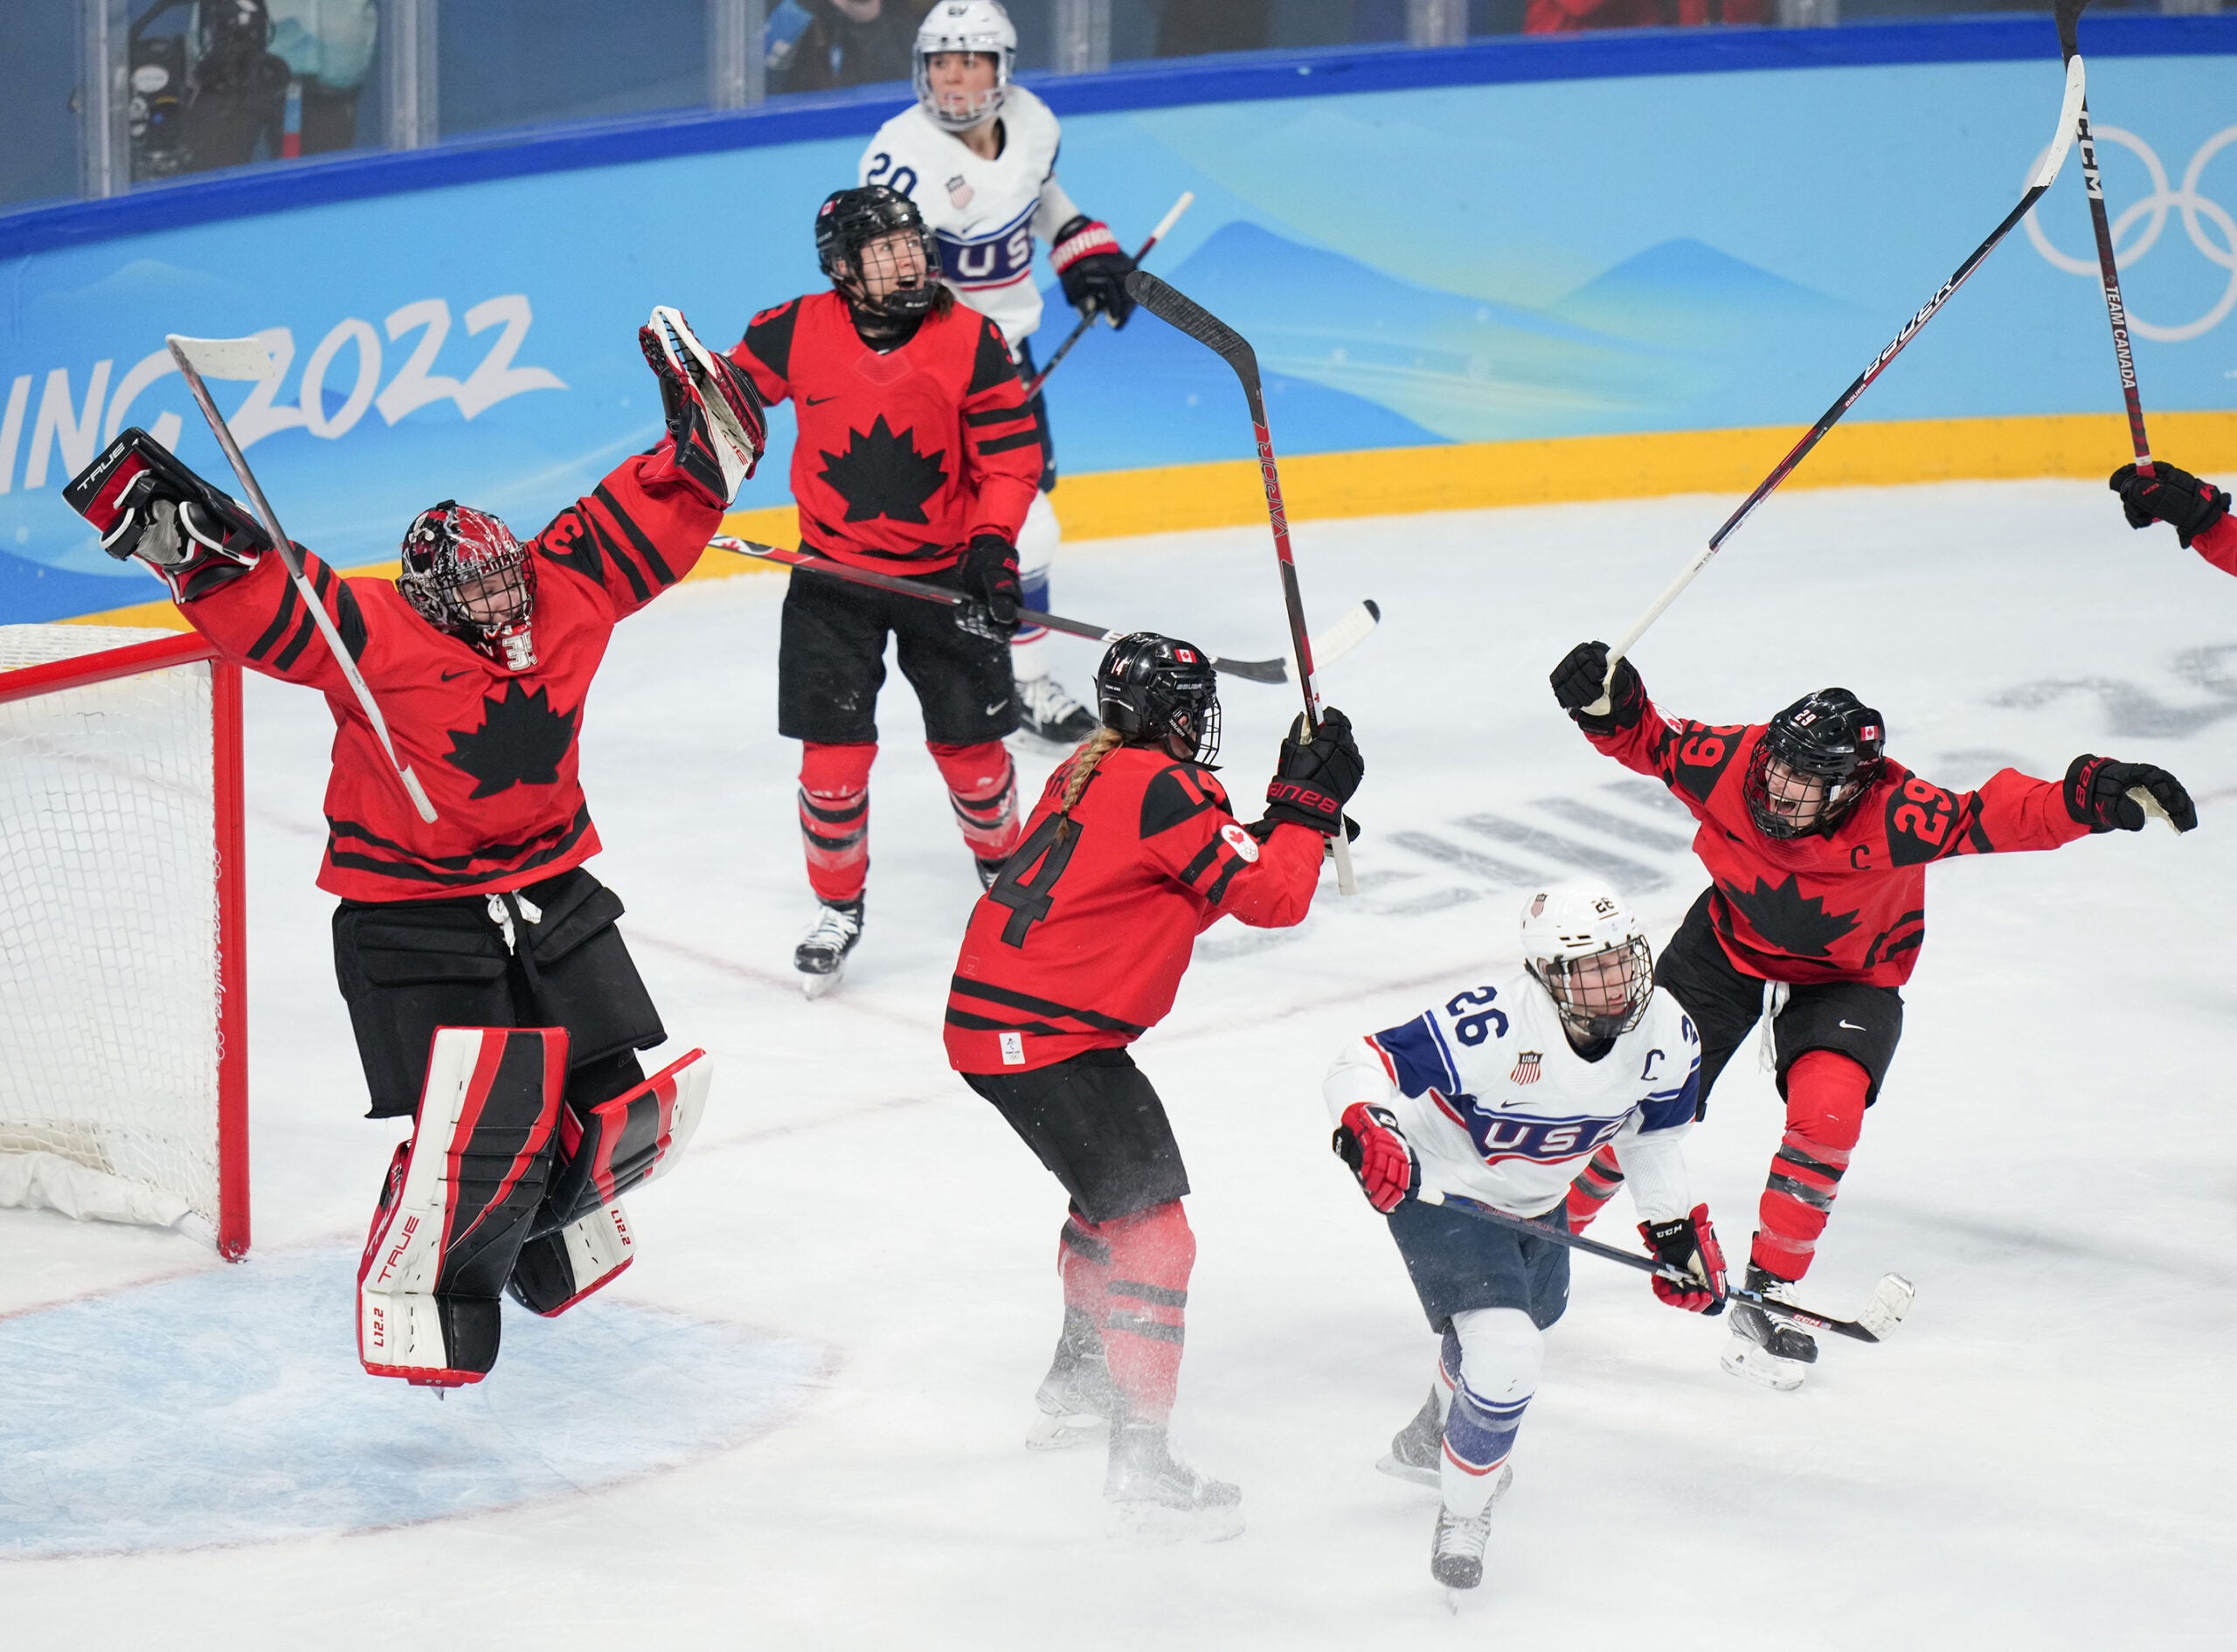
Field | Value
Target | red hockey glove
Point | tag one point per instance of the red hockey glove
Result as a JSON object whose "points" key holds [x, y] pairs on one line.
{"points": [[1582, 686], [144, 503], [1370, 1141], [1093, 267], [2097, 795], [1313, 780], [1689, 1246], [2169, 495]]}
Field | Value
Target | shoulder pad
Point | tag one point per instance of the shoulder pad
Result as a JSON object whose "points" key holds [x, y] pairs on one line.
{"points": [[1177, 792], [992, 364]]}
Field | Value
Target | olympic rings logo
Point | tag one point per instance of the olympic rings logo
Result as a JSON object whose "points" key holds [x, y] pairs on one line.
{"points": [[2162, 200]]}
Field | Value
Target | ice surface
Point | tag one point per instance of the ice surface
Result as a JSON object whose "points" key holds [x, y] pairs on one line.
{"points": [[2038, 1458]]}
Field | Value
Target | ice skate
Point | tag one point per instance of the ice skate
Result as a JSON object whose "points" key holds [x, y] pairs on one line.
{"points": [[1457, 1550], [1155, 1493], [1769, 1351], [821, 956], [990, 867], [1418, 1449], [1047, 713], [1076, 1399]]}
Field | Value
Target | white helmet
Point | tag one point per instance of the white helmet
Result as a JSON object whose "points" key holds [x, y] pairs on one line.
{"points": [[1581, 940], [966, 25]]}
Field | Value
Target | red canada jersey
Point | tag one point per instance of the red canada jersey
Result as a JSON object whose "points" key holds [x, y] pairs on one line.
{"points": [[2218, 544], [495, 749], [1081, 943], [902, 457], [1851, 907]]}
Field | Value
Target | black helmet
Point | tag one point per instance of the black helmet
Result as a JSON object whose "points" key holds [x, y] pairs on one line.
{"points": [[1830, 735], [848, 221], [1151, 688]]}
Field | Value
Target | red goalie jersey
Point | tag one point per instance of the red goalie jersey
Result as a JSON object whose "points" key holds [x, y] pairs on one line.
{"points": [[1082, 943], [1851, 907]]}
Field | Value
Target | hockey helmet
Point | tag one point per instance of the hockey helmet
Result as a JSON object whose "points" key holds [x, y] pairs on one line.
{"points": [[965, 25], [1828, 746], [465, 573], [1583, 942], [850, 220], [1154, 690]]}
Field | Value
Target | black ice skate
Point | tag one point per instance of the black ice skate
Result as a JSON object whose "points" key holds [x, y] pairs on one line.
{"points": [[822, 957], [990, 867], [1767, 1350], [1046, 712], [1457, 1550], [1157, 1494], [1076, 1399], [1418, 1450]]}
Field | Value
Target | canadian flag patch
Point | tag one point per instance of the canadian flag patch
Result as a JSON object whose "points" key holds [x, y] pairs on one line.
{"points": [[1525, 1068], [1241, 842]]}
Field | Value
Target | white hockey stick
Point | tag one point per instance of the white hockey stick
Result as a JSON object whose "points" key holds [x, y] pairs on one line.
{"points": [[247, 358], [734, 449]]}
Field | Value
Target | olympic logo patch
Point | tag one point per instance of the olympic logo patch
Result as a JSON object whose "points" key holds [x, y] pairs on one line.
{"points": [[1241, 842], [2154, 210]]}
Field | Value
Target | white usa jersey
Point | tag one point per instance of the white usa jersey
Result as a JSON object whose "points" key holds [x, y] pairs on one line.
{"points": [[984, 214], [1499, 1108]]}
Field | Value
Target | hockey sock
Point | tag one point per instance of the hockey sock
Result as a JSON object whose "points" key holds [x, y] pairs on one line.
{"points": [[1083, 1266], [1501, 1352], [1594, 1187], [835, 818], [1028, 657], [1824, 1115], [982, 788], [1448, 1372], [1151, 1253]]}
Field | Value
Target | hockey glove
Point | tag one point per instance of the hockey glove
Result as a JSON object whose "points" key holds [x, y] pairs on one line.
{"points": [[1688, 1245], [144, 503], [1313, 780], [1370, 1141], [2169, 495], [1093, 267], [713, 413], [990, 574], [2097, 794], [1582, 686]]}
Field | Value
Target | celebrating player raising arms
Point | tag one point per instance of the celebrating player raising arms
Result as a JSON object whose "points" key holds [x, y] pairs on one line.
{"points": [[1817, 845], [1075, 952], [481, 656], [979, 157]]}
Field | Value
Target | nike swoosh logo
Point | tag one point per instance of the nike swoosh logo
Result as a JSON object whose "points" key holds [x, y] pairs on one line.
{"points": [[448, 675], [818, 401], [1853, 1027], [996, 706]]}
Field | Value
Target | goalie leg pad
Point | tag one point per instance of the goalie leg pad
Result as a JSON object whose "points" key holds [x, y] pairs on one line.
{"points": [[556, 1271], [457, 1204], [614, 1145]]}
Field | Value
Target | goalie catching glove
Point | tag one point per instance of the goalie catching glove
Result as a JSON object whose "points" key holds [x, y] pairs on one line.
{"points": [[1689, 1245], [145, 504], [1370, 1141], [713, 411]]}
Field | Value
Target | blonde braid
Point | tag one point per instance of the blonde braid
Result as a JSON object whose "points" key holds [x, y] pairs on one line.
{"points": [[1093, 751]]}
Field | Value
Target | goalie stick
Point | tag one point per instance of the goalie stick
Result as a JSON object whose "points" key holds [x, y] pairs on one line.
{"points": [[2069, 15], [247, 358], [1163, 228], [1890, 1300], [1177, 310], [2061, 140], [1340, 639]]}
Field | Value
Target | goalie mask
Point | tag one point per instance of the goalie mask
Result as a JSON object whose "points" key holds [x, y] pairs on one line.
{"points": [[1582, 944], [1816, 758], [872, 242], [1154, 691], [466, 574], [981, 28]]}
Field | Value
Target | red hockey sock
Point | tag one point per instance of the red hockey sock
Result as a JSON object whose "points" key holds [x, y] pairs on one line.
{"points": [[982, 787], [1594, 1187], [1151, 1253], [1824, 1115], [836, 817], [1083, 1265]]}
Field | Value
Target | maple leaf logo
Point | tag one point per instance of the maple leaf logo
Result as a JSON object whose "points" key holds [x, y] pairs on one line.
{"points": [[520, 742], [1795, 924], [882, 474]]}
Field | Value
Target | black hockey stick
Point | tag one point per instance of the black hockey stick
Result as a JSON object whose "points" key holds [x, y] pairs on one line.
{"points": [[2069, 113], [2069, 15], [1177, 308], [1163, 228], [1889, 1302]]}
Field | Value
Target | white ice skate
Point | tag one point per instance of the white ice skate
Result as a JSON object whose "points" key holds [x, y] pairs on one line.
{"points": [[1153, 1493], [1457, 1549], [1076, 1401], [1418, 1450], [1047, 713], [1765, 1348], [821, 956]]}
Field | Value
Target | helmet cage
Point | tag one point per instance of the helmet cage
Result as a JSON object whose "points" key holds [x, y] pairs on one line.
{"points": [[1153, 690], [980, 27], [1577, 987], [465, 572], [852, 234]]}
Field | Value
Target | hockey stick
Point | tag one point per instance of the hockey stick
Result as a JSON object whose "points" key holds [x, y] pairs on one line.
{"points": [[1344, 635], [247, 358], [2069, 112], [1177, 310], [1883, 1309], [2069, 14], [1164, 227]]}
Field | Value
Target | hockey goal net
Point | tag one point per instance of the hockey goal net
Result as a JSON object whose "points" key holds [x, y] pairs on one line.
{"points": [[123, 1048]]}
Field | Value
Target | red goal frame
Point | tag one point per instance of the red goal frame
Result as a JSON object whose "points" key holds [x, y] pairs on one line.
{"points": [[158, 654]]}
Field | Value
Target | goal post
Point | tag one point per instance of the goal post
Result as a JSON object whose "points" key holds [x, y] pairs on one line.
{"points": [[123, 1025]]}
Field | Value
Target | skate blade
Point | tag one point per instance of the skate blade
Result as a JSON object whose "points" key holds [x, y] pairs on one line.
{"points": [[1389, 1463], [1891, 1299], [1065, 1432], [1746, 1359], [1155, 1522], [816, 987]]}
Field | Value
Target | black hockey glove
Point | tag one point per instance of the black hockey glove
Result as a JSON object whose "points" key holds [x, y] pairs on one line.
{"points": [[990, 575], [1093, 267], [1313, 780], [1582, 686], [2097, 795], [144, 503], [2169, 495]]}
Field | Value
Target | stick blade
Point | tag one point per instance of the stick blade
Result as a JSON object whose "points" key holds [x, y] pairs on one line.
{"points": [[1890, 1300], [1347, 634], [244, 358], [2069, 123], [1169, 304]]}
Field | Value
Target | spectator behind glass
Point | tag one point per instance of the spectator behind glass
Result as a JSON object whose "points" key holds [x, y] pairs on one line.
{"points": [[1185, 28], [1561, 16], [238, 89], [816, 45], [328, 47]]}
